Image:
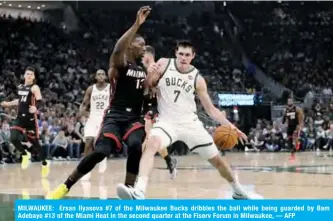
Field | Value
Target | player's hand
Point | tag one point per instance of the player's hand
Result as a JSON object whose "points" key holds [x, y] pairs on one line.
{"points": [[4, 104], [142, 14], [32, 109], [154, 68], [242, 137]]}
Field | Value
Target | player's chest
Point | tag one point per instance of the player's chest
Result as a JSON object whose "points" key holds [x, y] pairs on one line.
{"points": [[177, 82], [134, 79]]}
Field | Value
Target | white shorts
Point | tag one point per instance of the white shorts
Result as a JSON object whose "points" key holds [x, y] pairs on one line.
{"points": [[92, 126], [194, 135]]}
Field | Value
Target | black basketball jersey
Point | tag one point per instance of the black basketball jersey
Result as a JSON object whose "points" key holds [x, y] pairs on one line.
{"points": [[26, 99], [291, 116], [128, 90], [149, 104]]}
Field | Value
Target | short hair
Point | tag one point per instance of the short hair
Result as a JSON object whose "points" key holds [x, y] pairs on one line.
{"points": [[150, 50], [185, 44]]}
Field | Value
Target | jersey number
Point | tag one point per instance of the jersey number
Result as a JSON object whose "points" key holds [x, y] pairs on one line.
{"points": [[99, 105], [24, 98], [177, 93], [139, 83]]}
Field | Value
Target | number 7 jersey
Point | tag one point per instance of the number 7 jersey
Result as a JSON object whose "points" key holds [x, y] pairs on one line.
{"points": [[176, 100], [99, 101]]}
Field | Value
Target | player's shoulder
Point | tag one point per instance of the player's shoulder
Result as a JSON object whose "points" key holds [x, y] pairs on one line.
{"points": [[35, 87]]}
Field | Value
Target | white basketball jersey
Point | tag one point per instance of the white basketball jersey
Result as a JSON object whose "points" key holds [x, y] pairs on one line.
{"points": [[99, 100], [176, 100]]}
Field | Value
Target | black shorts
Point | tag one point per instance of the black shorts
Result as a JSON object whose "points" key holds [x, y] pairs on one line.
{"points": [[119, 127], [27, 125]]}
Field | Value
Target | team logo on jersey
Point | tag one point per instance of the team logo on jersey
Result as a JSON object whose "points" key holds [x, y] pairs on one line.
{"points": [[190, 77], [179, 82]]}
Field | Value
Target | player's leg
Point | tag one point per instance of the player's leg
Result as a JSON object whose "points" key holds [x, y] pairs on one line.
{"points": [[171, 162], [32, 133], [199, 141], [133, 138], [88, 146], [17, 136], [290, 141], [106, 141], [160, 136]]}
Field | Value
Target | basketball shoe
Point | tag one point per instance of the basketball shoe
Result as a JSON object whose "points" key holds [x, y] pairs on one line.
{"points": [[172, 166], [58, 193]]}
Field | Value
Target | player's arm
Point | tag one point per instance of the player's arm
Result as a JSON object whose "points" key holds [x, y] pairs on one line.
{"points": [[155, 72], [117, 58], [300, 118], [86, 101], [10, 103], [38, 97], [212, 111]]}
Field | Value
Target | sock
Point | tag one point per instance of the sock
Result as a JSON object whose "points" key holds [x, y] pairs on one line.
{"points": [[130, 179], [142, 183], [167, 159], [236, 187]]}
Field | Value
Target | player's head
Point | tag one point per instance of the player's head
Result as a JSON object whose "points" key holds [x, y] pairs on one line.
{"points": [[137, 47], [149, 56], [100, 76], [185, 52], [290, 102], [30, 75]]}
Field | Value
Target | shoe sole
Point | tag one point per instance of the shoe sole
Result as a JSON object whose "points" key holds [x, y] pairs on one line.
{"points": [[123, 193]]}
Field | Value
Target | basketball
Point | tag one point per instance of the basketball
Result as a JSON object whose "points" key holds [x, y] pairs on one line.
{"points": [[225, 137]]}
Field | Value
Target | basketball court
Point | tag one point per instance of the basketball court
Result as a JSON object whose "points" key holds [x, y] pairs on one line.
{"points": [[269, 174]]}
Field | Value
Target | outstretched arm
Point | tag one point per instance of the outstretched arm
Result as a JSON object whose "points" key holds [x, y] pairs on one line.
{"points": [[212, 111], [10, 103], [86, 101], [117, 58]]}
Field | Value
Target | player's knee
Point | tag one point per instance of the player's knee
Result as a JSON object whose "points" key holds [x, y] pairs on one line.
{"points": [[134, 146], [104, 146]]}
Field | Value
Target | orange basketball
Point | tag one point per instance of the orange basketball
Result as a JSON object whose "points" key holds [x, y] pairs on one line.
{"points": [[225, 137]]}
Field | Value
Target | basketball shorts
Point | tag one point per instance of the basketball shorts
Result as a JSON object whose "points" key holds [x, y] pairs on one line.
{"points": [[92, 126], [194, 135], [27, 125], [119, 128]]}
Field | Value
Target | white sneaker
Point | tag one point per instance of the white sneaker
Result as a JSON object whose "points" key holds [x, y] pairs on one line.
{"points": [[129, 193], [242, 195], [103, 165]]}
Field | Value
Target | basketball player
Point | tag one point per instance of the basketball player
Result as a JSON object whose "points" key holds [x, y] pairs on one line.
{"points": [[96, 97], [122, 118], [151, 107], [25, 125], [293, 117], [178, 82]]}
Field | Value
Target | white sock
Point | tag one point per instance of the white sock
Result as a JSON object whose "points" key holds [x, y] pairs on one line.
{"points": [[236, 187], [141, 184]]}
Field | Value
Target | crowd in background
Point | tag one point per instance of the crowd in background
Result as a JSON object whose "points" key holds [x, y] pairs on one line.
{"points": [[285, 41]]}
